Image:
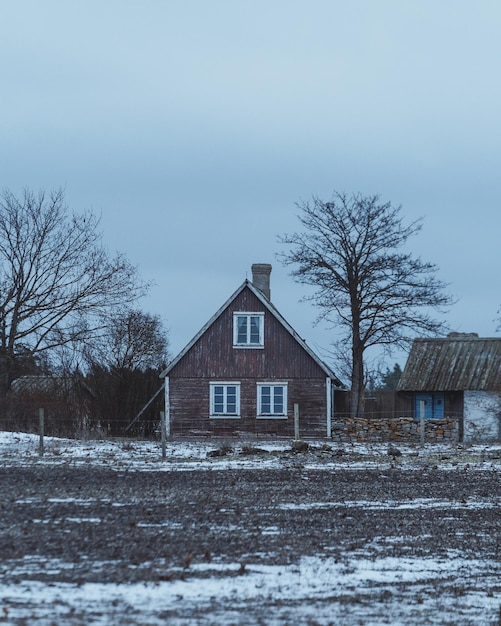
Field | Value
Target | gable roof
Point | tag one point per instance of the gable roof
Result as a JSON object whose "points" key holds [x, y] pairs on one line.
{"points": [[455, 363], [271, 308]]}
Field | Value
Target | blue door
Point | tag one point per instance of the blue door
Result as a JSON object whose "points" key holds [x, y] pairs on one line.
{"points": [[431, 403], [438, 406]]}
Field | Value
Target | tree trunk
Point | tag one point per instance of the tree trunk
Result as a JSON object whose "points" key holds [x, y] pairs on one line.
{"points": [[6, 372], [357, 384]]}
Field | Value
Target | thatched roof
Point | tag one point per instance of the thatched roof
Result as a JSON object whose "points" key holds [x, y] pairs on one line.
{"points": [[458, 362]]}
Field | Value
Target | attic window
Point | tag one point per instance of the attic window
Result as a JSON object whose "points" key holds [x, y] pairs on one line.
{"points": [[248, 330]]}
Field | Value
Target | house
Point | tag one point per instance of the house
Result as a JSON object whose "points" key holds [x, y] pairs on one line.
{"points": [[248, 371], [456, 376]]}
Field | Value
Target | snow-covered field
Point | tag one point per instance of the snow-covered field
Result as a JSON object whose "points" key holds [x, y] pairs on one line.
{"points": [[377, 581], [22, 448], [313, 591]]}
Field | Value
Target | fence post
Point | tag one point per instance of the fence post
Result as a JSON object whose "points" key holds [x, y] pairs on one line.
{"points": [[163, 431], [421, 420], [296, 422], [41, 421]]}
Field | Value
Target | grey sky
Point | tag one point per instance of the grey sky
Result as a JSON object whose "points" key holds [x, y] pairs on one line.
{"points": [[193, 127]]}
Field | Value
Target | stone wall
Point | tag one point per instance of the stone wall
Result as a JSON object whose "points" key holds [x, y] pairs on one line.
{"points": [[404, 429]]}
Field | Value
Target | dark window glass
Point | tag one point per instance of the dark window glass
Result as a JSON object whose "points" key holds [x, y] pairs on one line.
{"points": [[254, 329], [231, 399], [278, 400], [242, 329], [219, 399], [265, 399]]}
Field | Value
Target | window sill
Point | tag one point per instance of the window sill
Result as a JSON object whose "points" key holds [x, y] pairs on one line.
{"points": [[224, 417], [271, 417], [243, 346]]}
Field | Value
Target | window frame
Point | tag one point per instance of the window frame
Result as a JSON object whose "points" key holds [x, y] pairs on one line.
{"points": [[247, 344], [224, 384], [272, 414]]}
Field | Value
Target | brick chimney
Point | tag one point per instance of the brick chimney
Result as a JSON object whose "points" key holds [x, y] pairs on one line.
{"points": [[261, 278]]}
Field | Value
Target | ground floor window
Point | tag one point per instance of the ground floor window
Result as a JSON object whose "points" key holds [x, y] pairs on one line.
{"points": [[272, 400], [431, 405], [225, 399]]}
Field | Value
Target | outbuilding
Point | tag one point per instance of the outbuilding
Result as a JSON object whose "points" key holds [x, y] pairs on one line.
{"points": [[457, 376]]}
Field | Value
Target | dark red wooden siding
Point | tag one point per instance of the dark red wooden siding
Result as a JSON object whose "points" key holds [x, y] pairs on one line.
{"points": [[214, 357], [189, 409]]}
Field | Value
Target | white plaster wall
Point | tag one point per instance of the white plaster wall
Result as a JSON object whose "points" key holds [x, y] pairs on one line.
{"points": [[482, 415]]}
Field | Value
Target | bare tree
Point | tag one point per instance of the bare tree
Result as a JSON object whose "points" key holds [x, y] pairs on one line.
{"points": [[131, 339], [56, 278], [123, 366], [352, 251]]}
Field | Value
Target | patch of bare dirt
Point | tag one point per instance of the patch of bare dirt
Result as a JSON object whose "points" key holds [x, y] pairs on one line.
{"points": [[129, 526]]}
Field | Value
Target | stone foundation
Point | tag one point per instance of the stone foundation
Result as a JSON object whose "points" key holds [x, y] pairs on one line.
{"points": [[405, 429]]}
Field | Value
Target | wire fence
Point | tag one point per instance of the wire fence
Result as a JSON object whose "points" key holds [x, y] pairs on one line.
{"points": [[375, 428], [67, 417], [61, 420]]}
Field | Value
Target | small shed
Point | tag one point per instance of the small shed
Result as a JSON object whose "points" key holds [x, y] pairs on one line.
{"points": [[246, 370], [457, 376]]}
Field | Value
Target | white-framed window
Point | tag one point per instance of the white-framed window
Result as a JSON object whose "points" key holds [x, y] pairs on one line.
{"points": [[248, 330], [272, 400], [225, 399]]}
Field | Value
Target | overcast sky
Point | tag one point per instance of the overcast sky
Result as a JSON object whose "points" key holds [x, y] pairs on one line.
{"points": [[194, 127]]}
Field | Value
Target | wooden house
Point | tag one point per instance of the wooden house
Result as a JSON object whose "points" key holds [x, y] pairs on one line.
{"points": [[248, 371], [456, 376]]}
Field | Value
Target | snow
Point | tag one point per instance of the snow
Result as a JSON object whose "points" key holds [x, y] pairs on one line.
{"points": [[319, 589], [327, 583], [417, 503], [22, 448]]}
